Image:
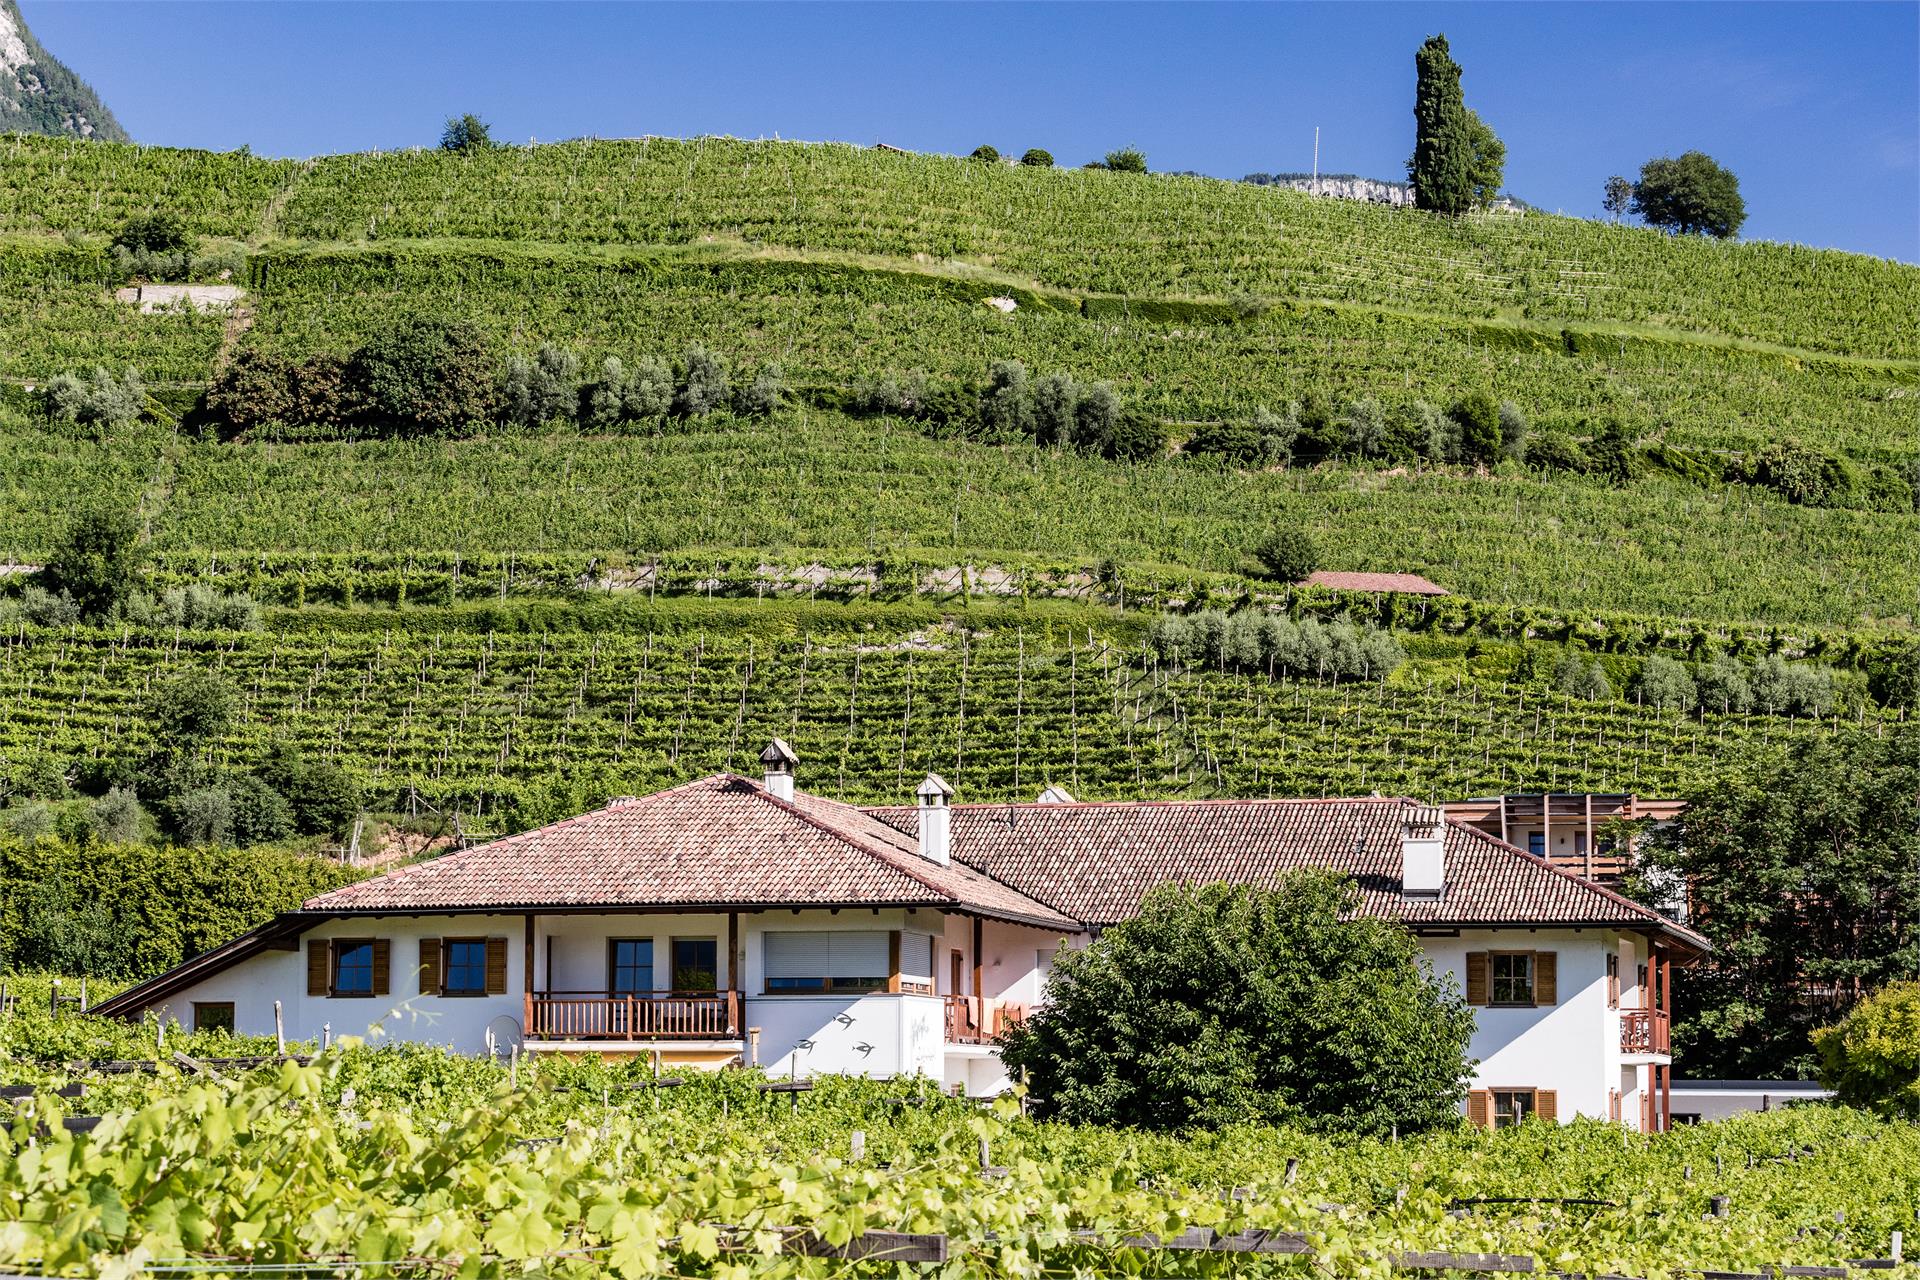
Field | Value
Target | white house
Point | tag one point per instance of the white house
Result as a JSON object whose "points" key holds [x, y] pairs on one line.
{"points": [[731, 920]]}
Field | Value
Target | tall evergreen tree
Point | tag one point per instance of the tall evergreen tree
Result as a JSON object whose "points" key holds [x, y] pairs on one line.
{"points": [[1441, 169]]}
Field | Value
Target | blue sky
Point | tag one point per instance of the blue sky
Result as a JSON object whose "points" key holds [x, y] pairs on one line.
{"points": [[1815, 106]]}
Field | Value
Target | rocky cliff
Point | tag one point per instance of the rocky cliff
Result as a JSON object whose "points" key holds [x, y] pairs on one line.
{"points": [[38, 94]]}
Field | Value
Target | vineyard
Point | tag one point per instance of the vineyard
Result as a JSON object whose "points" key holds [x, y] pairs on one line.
{"points": [[1110, 233], [515, 729], [417, 1162], [813, 485], [1101, 232]]}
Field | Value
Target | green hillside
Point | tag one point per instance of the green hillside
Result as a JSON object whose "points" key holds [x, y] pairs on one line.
{"points": [[386, 564]]}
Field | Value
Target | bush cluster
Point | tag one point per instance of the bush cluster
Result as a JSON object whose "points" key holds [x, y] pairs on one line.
{"points": [[1477, 430], [200, 802], [414, 377], [1722, 683], [553, 388], [1053, 411], [99, 399], [1253, 640], [432, 377]]}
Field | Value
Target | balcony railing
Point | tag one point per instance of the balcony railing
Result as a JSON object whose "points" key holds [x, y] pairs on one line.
{"points": [[638, 1015], [978, 1019], [1643, 1031]]}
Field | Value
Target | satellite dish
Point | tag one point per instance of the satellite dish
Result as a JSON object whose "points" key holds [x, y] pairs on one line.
{"points": [[503, 1036]]}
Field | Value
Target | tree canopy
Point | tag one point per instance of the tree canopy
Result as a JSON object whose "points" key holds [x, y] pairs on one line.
{"points": [[1689, 195], [1441, 169], [97, 561], [1871, 1058], [1224, 1003], [465, 133], [1804, 871]]}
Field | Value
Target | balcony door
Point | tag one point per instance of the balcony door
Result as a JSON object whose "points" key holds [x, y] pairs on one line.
{"points": [[696, 964]]}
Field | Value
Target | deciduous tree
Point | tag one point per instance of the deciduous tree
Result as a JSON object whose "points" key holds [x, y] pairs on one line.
{"points": [[1691, 194], [1804, 871], [1225, 1003]]}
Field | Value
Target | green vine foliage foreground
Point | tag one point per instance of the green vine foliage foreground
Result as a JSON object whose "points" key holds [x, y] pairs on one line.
{"points": [[418, 1163]]}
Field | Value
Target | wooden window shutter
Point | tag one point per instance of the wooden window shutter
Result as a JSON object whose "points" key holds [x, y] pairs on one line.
{"points": [[1477, 977], [319, 967], [1546, 977], [382, 965], [893, 961], [1546, 1105], [496, 966], [429, 966], [1480, 1109]]}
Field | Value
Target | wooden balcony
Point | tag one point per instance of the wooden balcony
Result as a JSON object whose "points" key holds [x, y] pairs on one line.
{"points": [[978, 1019], [1644, 1031], [639, 1015]]}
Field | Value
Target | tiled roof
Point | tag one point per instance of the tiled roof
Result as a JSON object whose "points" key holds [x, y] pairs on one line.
{"points": [[1094, 861], [1411, 584], [719, 842]]}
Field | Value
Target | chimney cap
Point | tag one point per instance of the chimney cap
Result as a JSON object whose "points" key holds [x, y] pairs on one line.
{"points": [[934, 785], [779, 754]]}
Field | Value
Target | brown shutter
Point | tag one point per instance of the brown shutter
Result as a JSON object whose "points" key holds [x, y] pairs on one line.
{"points": [[319, 967], [893, 961], [1480, 1109], [496, 966], [382, 964], [1546, 977], [429, 966], [1546, 1105], [1476, 977]]}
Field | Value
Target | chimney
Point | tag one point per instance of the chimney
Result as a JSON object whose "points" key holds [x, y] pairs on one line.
{"points": [[1423, 861], [1056, 795], [779, 761], [936, 837]]}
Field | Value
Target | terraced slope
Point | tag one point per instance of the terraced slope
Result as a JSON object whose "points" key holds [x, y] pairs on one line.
{"points": [[517, 729]]}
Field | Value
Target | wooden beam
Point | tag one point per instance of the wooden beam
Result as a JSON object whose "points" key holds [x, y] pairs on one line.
{"points": [[526, 979], [977, 985]]}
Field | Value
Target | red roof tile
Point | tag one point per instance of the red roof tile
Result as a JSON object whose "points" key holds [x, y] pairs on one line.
{"points": [[719, 842], [1094, 861], [1411, 584]]}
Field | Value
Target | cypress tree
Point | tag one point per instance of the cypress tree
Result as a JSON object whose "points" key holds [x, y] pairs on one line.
{"points": [[1441, 170]]}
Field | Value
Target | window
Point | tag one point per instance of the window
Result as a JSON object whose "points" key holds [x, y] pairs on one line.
{"points": [[916, 962], [466, 967], [630, 966], [352, 968], [1511, 973], [1537, 843], [213, 1015], [1511, 1106], [696, 964], [1613, 979], [826, 961], [1580, 842]]}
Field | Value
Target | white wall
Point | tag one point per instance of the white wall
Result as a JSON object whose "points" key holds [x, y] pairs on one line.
{"points": [[1571, 1047], [404, 1014]]}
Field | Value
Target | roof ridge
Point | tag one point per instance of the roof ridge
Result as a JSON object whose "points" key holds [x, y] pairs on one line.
{"points": [[1196, 802], [899, 859], [853, 838]]}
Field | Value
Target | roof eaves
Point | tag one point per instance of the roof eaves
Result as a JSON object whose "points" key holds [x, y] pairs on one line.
{"points": [[207, 963]]}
